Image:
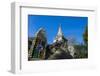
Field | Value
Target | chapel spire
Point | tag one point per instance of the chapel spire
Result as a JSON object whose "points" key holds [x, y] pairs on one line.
{"points": [[59, 34]]}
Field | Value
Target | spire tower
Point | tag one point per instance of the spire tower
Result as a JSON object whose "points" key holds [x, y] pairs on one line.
{"points": [[59, 34]]}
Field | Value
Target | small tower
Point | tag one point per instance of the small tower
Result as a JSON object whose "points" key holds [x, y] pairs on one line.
{"points": [[59, 35]]}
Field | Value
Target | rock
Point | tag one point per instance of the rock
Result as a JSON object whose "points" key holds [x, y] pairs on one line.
{"points": [[59, 49], [71, 50], [38, 46], [60, 54]]}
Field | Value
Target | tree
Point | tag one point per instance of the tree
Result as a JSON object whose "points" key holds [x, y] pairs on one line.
{"points": [[85, 36], [72, 40]]}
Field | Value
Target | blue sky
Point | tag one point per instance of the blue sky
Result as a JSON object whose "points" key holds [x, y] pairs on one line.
{"points": [[71, 26]]}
